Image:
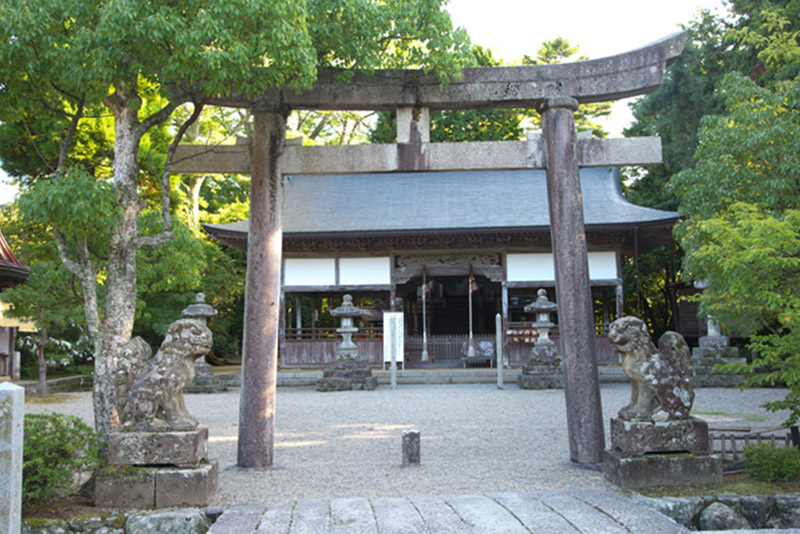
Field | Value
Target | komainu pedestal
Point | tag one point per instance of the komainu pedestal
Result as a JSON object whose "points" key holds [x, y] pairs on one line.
{"points": [[159, 458], [654, 440]]}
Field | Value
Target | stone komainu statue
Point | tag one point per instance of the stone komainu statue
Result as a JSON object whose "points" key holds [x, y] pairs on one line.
{"points": [[150, 389], [662, 388]]}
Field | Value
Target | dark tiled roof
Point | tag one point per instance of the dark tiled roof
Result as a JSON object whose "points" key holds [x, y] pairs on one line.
{"points": [[425, 201]]}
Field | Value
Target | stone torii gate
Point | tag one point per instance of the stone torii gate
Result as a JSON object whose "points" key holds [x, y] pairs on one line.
{"points": [[555, 90]]}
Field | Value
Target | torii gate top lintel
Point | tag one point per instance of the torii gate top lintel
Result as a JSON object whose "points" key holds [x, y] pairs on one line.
{"points": [[628, 74]]}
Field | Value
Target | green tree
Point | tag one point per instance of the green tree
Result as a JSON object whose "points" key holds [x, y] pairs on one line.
{"points": [[673, 112], [741, 231], [141, 61]]}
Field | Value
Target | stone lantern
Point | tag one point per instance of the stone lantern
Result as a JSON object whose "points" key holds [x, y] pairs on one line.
{"points": [[203, 312], [347, 372], [347, 350], [544, 368]]}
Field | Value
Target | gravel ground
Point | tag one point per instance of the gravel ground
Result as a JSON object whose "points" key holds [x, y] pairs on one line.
{"points": [[474, 439]]}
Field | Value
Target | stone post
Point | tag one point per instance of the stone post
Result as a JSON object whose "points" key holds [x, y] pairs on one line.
{"points": [[581, 386], [262, 293], [12, 404], [410, 447]]}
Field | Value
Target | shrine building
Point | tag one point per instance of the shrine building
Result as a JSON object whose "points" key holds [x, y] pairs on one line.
{"points": [[384, 237]]}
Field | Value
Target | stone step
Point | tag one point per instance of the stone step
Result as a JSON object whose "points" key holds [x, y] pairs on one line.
{"points": [[583, 511]]}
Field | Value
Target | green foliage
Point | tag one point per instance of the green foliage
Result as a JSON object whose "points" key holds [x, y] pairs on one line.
{"points": [[80, 205], [768, 463], [742, 228], [58, 451], [772, 27]]}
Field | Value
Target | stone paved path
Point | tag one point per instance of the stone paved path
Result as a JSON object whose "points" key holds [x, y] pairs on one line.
{"points": [[581, 511]]}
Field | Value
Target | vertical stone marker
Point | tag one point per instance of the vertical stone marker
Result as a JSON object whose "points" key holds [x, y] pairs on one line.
{"points": [[410, 447], [12, 411]]}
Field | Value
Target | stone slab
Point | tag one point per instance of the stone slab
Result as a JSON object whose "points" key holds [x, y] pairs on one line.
{"points": [[311, 517], [129, 487], [397, 516], [181, 449], [12, 413], [633, 516], [239, 518], [186, 487], [482, 514], [276, 519], [635, 438], [654, 470], [438, 516], [582, 516], [353, 516], [533, 514]]}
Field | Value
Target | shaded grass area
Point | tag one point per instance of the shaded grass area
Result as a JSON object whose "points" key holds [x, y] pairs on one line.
{"points": [[733, 484], [52, 398], [749, 417]]}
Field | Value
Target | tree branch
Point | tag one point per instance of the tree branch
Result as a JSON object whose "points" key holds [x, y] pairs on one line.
{"points": [[161, 115], [67, 141], [165, 188], [154, 240]]}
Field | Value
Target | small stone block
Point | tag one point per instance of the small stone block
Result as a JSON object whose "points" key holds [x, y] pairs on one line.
{"points": [[186, 487], [410, 447], [655, 470], [132, 487], [181, 449], [635, 438]]}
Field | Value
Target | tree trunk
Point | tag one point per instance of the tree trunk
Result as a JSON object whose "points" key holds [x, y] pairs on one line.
{"points": [[120, 298], [195, 184]]}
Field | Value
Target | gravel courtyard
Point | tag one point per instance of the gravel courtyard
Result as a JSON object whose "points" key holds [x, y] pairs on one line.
{"points": [[474, 439]]}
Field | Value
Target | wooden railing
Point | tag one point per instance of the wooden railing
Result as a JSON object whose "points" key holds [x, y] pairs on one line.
{"points": [[331, 333], [730, 443]]}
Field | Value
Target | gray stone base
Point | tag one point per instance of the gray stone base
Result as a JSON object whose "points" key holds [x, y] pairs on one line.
{"points": [[544, 379], [654, 470], [207, 384], [181, 449], [346, 375], [155, 487], [636, 438], [714, 351]]}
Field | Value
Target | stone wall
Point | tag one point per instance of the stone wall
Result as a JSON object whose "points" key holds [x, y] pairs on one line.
{"points": [[729, 512]]}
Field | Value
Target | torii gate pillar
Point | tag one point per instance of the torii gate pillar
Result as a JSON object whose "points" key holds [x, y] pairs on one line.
{"points": [[262, 292], [574, 295]]}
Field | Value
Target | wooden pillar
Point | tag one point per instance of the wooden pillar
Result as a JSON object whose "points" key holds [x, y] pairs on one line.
{"points": [[262, 293], [573, 292]]}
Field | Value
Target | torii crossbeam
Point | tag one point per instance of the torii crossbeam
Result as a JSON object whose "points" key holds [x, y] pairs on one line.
{"points": [[555, 90]]}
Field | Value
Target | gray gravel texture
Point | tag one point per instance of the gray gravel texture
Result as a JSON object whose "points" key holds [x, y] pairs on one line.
{"points": [[474, 439]]}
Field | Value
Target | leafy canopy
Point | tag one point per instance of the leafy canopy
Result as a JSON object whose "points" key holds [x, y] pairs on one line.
{"points": [[742, 228]]}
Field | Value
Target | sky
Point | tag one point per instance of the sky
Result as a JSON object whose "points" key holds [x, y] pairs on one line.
{"points": [[513, 28]]}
